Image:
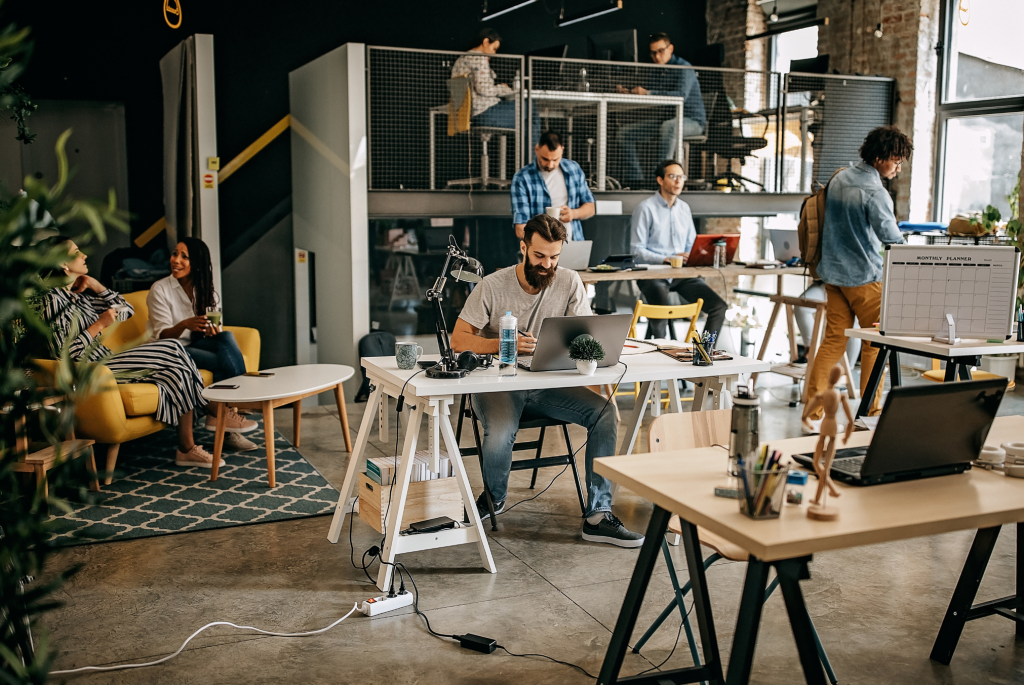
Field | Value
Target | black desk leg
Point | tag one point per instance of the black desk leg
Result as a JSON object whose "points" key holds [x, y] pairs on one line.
{"points": [[1020, 577], [791, 572], [702, 601], [634, 596], [896, 380], [964, 594], [747, 622], [965, 368], [950, 375], [873, 380]]}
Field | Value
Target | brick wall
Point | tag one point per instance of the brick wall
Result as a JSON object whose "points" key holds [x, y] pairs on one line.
{"points": [[906, 53], [729, 22]]}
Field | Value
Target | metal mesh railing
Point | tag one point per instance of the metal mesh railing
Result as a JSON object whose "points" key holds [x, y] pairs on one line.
{"points": [[741, 130], [409, 97], [835, 113]]}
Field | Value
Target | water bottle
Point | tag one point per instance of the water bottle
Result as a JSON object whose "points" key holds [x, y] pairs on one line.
{"points": [[744, 438], [719, 254], [509, 347]]}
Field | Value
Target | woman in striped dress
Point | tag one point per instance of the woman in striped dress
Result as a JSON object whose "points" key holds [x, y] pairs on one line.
{"points": [[79, 312]]}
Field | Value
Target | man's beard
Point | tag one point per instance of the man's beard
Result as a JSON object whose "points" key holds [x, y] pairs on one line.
{"points": [[536, 276]]}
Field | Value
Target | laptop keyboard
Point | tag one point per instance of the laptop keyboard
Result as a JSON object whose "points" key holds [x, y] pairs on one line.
{"points": [[526, 362], [850, 465]]}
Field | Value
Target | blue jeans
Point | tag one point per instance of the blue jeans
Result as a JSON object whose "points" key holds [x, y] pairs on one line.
{"points": [[218, 354], [500, 412], [503, 115], [631, 134]]}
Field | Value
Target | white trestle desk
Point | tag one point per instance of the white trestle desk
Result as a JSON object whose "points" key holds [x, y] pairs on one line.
{"points": [[959, 358], [434, 398]]}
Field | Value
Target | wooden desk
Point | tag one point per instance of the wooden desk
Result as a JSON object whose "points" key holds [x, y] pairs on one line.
{"points": [[433, 398], [683, 483], [959, 358], [658, 271]]}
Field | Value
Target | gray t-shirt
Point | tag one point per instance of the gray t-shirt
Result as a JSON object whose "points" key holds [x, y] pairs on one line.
{"points": [[500, 292]]}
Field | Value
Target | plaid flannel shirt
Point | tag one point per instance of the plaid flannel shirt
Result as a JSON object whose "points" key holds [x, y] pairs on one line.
{"points": [[530, 194]]}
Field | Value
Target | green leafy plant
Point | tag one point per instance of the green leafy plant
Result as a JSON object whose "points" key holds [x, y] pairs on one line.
{"points": [[14, 51], [29, 397], [987, 219], [585, 348], [1015, 231]]}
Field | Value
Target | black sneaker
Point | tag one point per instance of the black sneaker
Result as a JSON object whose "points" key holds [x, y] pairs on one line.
{"points": [[481, 506], [610, 531]]}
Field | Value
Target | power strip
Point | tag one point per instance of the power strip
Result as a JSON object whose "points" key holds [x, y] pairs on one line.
{"points": [[375, 606]]}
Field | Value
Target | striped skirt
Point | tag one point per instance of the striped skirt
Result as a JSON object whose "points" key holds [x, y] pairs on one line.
{"points": [[173, 373]]}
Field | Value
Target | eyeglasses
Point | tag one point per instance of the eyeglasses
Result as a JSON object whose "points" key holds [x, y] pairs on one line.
{"points": [[676, 177], [655, 53], [899, 164]]}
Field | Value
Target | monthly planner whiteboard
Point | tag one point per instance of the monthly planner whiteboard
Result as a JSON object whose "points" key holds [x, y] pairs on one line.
{"points": [[923, 283]]}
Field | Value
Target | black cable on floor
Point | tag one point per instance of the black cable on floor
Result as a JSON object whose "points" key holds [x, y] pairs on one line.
{"points": [[545, 656], [678, 633]]}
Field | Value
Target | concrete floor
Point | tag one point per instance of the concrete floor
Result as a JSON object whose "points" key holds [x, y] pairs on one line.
{"points": [[877, 609]]}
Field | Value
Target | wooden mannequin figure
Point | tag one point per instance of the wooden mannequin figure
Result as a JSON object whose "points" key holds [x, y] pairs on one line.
{"points": [[829, 399]]}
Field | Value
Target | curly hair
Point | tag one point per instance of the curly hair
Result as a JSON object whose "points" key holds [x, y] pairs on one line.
{"points": [[886, 142], [203, 294]]}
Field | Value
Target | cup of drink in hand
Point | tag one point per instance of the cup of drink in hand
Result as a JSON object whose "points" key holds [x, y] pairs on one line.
{"points": [[676, 261], [214, 315]]}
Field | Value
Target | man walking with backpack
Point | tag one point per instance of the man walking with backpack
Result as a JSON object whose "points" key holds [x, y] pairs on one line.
{"points": [[858, 220]]}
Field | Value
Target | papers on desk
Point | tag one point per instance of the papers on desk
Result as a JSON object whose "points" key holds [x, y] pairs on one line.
{"points": [[382, 469], [655, 267], [635, 346], [869, 422]]}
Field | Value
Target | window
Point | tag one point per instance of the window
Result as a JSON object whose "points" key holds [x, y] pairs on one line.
{"points": [[794, 45], [984, 59], [981, 106]]}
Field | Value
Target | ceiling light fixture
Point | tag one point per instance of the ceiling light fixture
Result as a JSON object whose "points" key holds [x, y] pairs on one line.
{"points": [[774, 17], [878, 31], [612, 6], [516, 6]]}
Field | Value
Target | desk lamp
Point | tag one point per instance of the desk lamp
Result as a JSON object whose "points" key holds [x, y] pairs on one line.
{"points": [[448, 366]]}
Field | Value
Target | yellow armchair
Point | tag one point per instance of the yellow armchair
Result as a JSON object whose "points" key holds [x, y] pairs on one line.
{"points": [[119, 413]]}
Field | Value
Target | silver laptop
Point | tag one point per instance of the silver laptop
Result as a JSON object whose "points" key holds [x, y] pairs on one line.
{"points": [[576, 255], [557, 332], [785, 244]]}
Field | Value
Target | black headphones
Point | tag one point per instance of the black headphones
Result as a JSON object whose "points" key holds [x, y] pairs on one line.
{"points": [[470, 361]]}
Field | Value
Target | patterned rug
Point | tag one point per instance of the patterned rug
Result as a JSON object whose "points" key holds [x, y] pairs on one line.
{"points": [[151, 496]]}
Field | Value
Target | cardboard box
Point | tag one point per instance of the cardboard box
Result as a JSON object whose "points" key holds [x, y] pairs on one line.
{"points": [[426, 500]]}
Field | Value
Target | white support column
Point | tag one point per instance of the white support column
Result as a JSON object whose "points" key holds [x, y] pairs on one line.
{"points": [[206, 130]]}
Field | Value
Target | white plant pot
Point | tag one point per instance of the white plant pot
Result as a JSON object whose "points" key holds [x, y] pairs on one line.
{"points": [[587, 368], [1001, 366]]}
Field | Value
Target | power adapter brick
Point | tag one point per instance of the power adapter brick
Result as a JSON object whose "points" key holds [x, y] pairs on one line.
{"points": [[485, 645]]}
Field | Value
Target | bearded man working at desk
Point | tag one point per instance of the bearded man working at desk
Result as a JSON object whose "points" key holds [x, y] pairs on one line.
{"points": [[534, 290]]}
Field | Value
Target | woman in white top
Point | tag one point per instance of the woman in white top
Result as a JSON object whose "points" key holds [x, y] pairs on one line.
{"points": [[177, 309]]}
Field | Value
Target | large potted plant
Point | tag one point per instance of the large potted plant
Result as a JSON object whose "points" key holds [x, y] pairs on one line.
{"points": [[25, 653]]}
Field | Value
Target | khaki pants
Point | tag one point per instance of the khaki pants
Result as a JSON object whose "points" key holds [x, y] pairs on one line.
{"points": [[864, 302]]}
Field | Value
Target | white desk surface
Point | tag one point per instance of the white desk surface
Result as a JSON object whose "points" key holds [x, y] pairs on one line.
{"points": [[964, 348], [666, 271], [652, 366], [683, 482], [287, 381], [611, 98]]}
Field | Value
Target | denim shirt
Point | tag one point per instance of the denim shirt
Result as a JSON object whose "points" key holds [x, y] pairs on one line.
{"points": [[680, 82], [658, 231], [859, 218]]}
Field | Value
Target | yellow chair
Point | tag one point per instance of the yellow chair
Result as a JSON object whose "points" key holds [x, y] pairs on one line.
{"points": [[117, 413], [669, 312], [938, 374]]}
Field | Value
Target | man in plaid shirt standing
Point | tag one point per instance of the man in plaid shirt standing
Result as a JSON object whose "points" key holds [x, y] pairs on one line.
{"points": [[551, 181]]}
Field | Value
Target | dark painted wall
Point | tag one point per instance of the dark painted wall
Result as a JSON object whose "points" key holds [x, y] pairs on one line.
{"points": [[110, 51]]}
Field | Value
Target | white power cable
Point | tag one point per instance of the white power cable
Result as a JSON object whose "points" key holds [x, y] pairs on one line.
{"points": [[208, 625]]}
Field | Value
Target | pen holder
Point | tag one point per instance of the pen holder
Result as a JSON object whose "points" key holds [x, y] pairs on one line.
{"points": [[701, 354], [762, 496]]}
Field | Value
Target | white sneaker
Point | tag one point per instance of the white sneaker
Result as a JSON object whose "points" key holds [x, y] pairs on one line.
{"points": [[235, 441], [814, 429], [233, 423], [196, 456]]}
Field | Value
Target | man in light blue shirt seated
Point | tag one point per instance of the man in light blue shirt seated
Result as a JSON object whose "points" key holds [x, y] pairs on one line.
{"points": [[662, 227]]}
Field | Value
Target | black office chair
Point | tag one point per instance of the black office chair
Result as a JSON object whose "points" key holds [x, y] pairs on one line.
{"points": [[722, 140], [538, 462]]}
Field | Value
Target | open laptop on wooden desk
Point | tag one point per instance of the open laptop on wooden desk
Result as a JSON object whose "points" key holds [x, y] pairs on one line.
{"points": [[924, 431]]}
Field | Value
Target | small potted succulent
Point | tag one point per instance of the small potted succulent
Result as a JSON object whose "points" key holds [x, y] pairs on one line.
{"points": [[586, 352]]}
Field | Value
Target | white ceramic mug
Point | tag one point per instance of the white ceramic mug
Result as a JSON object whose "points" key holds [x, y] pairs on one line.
{"points": [[407, 354], [553, 212]]}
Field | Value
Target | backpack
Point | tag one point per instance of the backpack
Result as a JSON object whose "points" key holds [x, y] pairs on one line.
{"points": [[812, 224], [376, 344]]}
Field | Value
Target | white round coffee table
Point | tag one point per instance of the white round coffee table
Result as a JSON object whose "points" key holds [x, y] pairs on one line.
{"points": [[288, 385]]}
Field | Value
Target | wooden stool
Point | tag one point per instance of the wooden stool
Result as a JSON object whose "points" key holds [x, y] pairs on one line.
{"points": [[43, 460]]}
